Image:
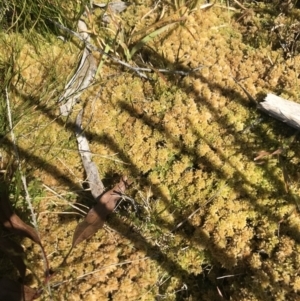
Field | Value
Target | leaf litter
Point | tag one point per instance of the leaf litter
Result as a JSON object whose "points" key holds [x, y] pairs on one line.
{"points": [[9, 289], [96, 217]]}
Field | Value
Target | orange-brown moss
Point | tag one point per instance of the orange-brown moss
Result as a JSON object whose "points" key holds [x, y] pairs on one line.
{"points": [[184, 138]]}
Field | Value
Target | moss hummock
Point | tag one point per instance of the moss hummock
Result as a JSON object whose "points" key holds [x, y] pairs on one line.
{"points": [[188, 143]]}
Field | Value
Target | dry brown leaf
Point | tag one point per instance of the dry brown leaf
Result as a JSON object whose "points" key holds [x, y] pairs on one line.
{"points": [[13, 223], [15, 252], [97, 215], [14, 291]]}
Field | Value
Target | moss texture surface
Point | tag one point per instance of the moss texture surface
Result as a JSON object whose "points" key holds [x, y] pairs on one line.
{"points": [[188, 142]]}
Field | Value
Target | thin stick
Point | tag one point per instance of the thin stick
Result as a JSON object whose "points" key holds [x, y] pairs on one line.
{"points": [[59, 196], [194, 212], [23, 179], [229, 276], [98, 270], [240, 5], [61, 213], [246, 92]]}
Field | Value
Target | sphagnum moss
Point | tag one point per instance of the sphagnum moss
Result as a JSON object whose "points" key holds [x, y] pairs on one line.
{"points": [[181, 139]]}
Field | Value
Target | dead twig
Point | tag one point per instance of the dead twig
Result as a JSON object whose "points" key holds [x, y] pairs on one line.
{"points": [[137, 70], [197, 210], [27, 195]]}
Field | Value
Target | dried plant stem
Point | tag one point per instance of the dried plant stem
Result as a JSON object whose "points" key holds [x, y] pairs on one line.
{"points": [[69, 203], [24, 182], [229, 276], [99, 270], [198, 209], [138, 70], [245, 91], [111, 265], [240, 5], [23, 178]]}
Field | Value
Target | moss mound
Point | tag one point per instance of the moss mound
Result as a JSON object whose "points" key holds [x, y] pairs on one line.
{"points": [[214, 223]]}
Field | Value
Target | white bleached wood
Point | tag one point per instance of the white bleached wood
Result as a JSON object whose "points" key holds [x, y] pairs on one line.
{"points": [[90, 167], [284, 110]]}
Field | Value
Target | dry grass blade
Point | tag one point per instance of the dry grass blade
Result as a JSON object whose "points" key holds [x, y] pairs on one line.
{"points": [[8, 217], [207, 5], [65, 201], [101, 269], [27, 197], [150, 37]]}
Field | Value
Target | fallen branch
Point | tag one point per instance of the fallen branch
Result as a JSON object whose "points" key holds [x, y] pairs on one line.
{"points": [[90, 167], [81, 80], [83, 76], [281, 109]]}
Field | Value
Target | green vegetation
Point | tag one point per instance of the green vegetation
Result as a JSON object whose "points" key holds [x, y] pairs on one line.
{"points": [[213, 221]]}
